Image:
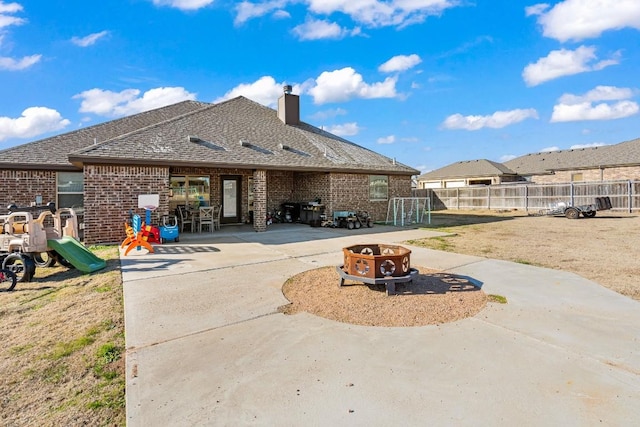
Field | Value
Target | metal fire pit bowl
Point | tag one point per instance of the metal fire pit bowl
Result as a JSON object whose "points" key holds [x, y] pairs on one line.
{"points": [[377, 264]]}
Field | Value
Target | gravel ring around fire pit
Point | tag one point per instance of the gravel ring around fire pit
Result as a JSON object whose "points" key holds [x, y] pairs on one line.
{"points": [[434, 297]]}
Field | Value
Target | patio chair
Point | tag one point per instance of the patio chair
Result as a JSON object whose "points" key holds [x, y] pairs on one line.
{"points": [[185, 218], [217, 209], [206, 218]]}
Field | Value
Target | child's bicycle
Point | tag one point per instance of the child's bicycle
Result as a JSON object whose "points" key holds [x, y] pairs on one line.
{"points": [[8, 280]]}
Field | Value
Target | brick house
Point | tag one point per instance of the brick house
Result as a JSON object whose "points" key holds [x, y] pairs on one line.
{"points": [[467, 173], [238, 153], [606, 163]]}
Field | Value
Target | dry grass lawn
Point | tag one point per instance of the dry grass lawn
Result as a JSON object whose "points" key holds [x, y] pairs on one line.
{"points": [[62, 355], [605, 249]]}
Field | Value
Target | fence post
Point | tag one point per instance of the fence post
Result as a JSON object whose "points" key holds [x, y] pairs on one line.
{"points": [[458, 198], [630, 193], [489, 197], [526, 198], [571, 193]]}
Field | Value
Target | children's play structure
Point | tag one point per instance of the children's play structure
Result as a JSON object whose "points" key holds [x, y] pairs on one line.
{"points": [[27, 241], [140, 234]]}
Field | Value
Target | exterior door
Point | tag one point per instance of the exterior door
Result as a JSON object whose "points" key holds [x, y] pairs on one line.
{"points": [[231, 197]]}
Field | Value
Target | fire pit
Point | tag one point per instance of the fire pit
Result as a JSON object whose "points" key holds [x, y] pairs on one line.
{"points": [[377, 264]]}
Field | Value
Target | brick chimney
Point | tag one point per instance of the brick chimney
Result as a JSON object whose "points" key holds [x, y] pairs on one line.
{"points": [[289, 107]]}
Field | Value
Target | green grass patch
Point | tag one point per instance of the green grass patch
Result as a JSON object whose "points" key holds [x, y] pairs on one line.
{"points": [[55, 373], [497, 298], [65, 349], [21, 349], [107, 354], [113, 399]]}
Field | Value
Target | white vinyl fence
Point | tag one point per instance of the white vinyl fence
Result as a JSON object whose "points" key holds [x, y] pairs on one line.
{"points": [[624, 195]]}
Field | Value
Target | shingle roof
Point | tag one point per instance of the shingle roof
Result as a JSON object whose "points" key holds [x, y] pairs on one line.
{"points": [[468, 169], [622, 154], [219, 128], [52, 153]]}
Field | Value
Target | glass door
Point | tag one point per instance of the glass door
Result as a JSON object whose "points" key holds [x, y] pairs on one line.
{"points": [[231, 196]]}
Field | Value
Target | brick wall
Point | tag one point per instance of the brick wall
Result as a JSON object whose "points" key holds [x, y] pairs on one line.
{"points": [[280, 185], [312, 186], [22, 187], [111, 191], [607, 174], [260, 200], [351, 192]]}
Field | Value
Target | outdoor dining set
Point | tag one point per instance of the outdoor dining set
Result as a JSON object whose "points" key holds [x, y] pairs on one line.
{"points": [[196, 218]]}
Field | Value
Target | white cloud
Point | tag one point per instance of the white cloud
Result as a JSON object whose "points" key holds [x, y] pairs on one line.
{"points": [[345, 84], [246, 10], [264, 91], [507, 157], [400, 63], [314, 29], [184, 4], [281, 14], [600, 93], [375, 13], [589, 111], [12, 64], [329, 114], [347, 129], [536, 9], [6, 20], [582, 19], [10, 8], [128, 101], [497, 120], [34, 121], [89, 40], [591, 145], [550, 149], [564, 62], [386, 139], [571, 108]]}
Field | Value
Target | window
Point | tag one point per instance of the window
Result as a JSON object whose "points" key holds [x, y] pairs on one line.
{"points": [[576, 177], [191, 190], [378, 187], [70, 190]]}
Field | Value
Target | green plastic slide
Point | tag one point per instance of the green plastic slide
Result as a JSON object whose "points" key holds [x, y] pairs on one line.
{"points": [[78, 255]]}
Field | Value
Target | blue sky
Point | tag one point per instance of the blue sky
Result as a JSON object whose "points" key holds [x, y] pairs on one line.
{"points": [[429, 82]]}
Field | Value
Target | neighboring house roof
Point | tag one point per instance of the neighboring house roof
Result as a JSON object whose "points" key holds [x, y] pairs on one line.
{"points": [[211, 137], [53, 152], [622, 154], [468, 169]]}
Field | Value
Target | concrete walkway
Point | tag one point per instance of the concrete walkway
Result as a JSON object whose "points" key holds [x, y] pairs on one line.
{"points": [[206, 345]]}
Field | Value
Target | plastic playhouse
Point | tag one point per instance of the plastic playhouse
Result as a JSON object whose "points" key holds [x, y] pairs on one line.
{"points": [[27, 241]]}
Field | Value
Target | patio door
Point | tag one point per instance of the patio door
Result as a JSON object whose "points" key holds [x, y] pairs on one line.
{"points": [[231, 196]]}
